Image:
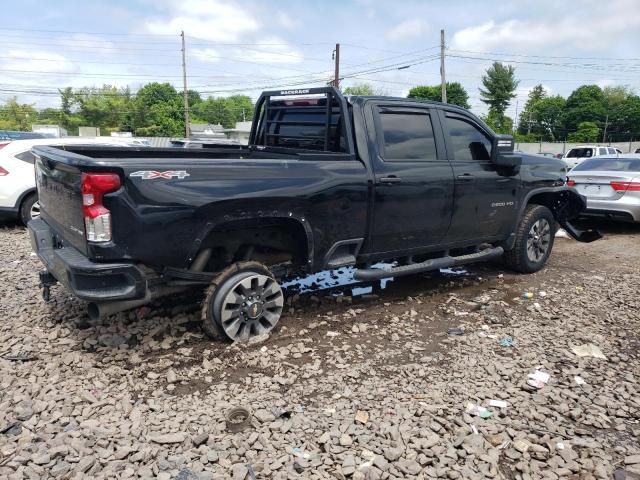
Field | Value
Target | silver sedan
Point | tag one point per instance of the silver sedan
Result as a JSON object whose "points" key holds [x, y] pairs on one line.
{"points": [[611, 186]]}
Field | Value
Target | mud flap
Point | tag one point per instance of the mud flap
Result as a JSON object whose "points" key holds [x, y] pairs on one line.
{"points": [[570, 204]]}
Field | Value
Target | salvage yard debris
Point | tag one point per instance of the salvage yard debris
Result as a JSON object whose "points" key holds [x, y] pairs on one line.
{"points": [[588, 350]]}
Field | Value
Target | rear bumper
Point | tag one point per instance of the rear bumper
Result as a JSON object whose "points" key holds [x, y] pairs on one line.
{"points": [[87, 280], [623, 208], [8, 213]]}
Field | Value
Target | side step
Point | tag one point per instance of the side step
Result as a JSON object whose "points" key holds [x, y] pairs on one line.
{"points": [[428, 265]]}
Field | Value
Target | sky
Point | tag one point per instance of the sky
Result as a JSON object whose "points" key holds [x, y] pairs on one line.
{"points": [[245, 46]]}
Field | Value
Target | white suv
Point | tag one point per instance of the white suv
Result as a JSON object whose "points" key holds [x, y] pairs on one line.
{"points": [[577, 154], [18, 197]]}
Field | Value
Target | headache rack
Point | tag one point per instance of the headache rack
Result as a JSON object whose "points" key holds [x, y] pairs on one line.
{"points": [[328, 105]]}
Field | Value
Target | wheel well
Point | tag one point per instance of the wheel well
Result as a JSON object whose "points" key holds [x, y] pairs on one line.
{"points": [[25, 195], [563, 204], [270, 241]]}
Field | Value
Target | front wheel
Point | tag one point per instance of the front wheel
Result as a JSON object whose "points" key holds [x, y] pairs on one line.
{"points": [[534, 240], [30, 208], [242, 302]]}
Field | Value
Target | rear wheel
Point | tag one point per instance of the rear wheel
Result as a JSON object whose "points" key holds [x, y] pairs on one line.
{"points": [[534, 240], [242, 302], [30, 208]]}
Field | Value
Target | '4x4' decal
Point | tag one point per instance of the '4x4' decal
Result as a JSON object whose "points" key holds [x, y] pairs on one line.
{"points": [[152, 174]]}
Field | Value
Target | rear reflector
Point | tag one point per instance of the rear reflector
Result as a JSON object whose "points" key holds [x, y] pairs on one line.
{"points": [[97, 218], [571, 183], [3, 172], [626, 186]]}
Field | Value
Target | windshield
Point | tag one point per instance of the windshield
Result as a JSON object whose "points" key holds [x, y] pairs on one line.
{"points": [[609, 165], [580, 152]]}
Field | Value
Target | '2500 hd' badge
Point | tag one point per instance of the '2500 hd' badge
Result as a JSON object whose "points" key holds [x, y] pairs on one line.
{"points": [[152, 174]]}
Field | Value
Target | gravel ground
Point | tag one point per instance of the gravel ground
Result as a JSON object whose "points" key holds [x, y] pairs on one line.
{"points": [[400, 383]]}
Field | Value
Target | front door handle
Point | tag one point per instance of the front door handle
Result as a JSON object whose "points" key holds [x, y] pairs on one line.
{"points": [[465, 177], [390, 179]]}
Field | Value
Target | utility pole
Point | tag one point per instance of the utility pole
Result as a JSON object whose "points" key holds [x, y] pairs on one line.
{"points": [[604, 133], [186, 92], [336, 58], [515, 120], [529, 125], [442, 79]]}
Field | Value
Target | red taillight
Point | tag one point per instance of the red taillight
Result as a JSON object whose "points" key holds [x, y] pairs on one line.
{"points": [[570, 183], [3, 172], [626, 186], [2, 145], [97, 218]]}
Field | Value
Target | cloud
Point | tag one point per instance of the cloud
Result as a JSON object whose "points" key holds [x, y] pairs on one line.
{"points": [[607, 24], [36, 60], [208, 55], [271, 50], [286, 21], [214, 20], [407, 30]]}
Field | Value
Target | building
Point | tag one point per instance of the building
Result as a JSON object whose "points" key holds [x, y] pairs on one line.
{"points": [[54, 131], [206, 130], [240, 133]]}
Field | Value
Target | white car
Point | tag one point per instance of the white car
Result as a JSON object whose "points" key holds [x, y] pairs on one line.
{"points": [[18, 197], [577, 154]]}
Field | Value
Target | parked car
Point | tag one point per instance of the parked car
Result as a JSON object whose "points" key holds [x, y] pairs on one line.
{"points": [[325, 182], [547, 154], [611, 186], [18, 198], [577, 154], [637, 150]]}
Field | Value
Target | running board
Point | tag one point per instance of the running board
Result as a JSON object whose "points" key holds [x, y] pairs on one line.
{"points": [[428, 265]]}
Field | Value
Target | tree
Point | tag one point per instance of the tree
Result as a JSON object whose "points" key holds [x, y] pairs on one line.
{"points": [[526, 124], [585, 104], [17, 116], [158, 111], [547, 113], [359, 89], [625, 120], [456, 93], [107, 107], [587, 132], [498, 123], [499, 88], [241, 107]]}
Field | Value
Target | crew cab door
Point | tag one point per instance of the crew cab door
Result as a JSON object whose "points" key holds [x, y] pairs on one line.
{"points": [[485, 198], [413, 181]]}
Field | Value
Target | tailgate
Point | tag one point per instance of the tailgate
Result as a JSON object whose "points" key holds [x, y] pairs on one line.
{"points": [[60, 199]]}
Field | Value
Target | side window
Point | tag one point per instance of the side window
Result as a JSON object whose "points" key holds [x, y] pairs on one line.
{"points": [[26, 157], [602, 151], [469, 142], [612, 151], [407, 136]]}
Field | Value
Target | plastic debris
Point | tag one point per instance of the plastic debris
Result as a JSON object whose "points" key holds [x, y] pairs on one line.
{"points": [[477, 410], [588, 350], [542, 294], [508, 341], [487, 335], [456, 331], [538, 379], [474, 429], [332, 334], [504, 444], [527, 295], [498, 403], [560, 446], [579, 380], [362, 416]]}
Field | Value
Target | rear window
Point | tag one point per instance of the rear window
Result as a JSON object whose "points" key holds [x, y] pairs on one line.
{"points": [[26, 157], [609, 165], [304, 127], [580, 153], [407, 136]]}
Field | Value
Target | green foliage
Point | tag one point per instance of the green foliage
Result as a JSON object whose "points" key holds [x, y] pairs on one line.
{"points": [[17, 116], [547, 113], [588, 132], [456, 94], [359, 89], [225, 111], [499, 87], [498, 123], [106, 107], [585, 104], [158, 111]]}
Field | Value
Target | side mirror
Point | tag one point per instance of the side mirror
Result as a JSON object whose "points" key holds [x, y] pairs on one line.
{"points": [[502, 152]]}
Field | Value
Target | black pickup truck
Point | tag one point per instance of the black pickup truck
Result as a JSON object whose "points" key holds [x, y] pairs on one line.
{"points": [[326, 181]]}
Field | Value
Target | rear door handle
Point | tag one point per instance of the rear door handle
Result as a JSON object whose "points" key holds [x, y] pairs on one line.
{"points": [[465, 177], [390, 179]]}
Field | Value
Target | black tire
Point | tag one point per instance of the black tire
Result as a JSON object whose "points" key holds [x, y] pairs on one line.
{"points": [[213, 323], [535, 235], [27, 206]]}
